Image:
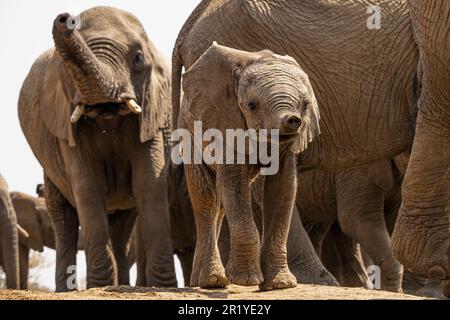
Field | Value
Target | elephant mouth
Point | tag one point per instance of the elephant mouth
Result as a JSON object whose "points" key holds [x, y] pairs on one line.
{"points": [[105, 110]]}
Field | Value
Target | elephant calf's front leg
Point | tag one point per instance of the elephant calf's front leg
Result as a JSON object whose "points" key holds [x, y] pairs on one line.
{"points": [[279, 197], [243, 265]]}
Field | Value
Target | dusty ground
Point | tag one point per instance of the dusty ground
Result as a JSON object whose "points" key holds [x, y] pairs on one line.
{"points": [[306, 292]]}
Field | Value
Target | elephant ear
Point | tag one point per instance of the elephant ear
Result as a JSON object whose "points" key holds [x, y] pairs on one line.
{"points": [[381, 174], [56, 108], [156, 111], [311, 118], [210, 87]]}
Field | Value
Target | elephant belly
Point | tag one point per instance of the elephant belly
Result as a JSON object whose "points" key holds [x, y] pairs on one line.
{"points": [[119, 190]]}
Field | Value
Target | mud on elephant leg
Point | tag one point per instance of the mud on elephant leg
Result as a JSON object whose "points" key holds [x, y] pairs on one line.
{"points": [[243, 266], [65, 222], [121, 224], [303, 260], [207, 269]]}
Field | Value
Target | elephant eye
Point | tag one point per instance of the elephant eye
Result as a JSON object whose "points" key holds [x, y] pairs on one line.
{"points": [[252, 105], [138, 60], [305, 105]]}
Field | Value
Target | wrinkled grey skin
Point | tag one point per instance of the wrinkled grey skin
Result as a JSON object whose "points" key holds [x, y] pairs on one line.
{"points": [[111, 160], [33, 217], [234, 89], [9, 239], [302, 259], [367, 83], [364, 201]]}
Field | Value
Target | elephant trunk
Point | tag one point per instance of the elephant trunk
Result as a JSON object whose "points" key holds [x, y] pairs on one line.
{"points": [[95, 80], [9, 241]]}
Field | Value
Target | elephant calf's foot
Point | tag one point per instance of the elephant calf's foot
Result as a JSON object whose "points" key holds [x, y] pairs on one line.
{"points": [[309, 270], [281, 279], [210, 276], [391, 276], [244, 275]]}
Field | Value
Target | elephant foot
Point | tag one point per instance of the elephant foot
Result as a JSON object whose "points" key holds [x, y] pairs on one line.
{"points": [[275, 280], [421, 244], [391, 276], [309, 270], [210, 276], [244, 275]]}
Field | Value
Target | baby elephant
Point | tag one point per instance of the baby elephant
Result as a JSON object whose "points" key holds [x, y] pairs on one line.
{"points": [[231, 89]]}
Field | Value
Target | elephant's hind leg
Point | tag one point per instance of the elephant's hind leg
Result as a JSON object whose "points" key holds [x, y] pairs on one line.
{"points": [[65, 223], [207, 271]]}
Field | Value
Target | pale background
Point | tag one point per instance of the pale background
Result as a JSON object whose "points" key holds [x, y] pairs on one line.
{"points": [[25, 32]]}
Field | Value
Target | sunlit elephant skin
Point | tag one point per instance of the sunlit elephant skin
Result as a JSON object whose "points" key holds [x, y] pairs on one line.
{"points": [[9, 239], [422, 234], [33, 217], [368, 84], [94, 110]]}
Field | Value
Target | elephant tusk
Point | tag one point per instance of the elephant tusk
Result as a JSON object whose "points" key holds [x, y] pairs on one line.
{"points": [[133, 106], [23, 232], [77, 113]]}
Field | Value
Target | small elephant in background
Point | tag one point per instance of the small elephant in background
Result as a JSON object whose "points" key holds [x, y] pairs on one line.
{"points": [[9, 238], [33, 217], [365, 203], [232, 89]]}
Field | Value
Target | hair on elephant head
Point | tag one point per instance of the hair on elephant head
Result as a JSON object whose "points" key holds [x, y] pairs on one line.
{"points": [[271, 92], [104, 72]]}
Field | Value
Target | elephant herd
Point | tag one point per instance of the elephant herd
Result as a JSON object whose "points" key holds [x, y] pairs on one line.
{"points": [[363, 138]]}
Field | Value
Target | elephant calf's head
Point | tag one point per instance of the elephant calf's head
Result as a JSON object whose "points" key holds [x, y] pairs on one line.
{"points": [[270, 91]]}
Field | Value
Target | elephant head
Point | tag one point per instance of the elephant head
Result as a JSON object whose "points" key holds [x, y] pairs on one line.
{"points": [[9, 244], [33, 217], [422, 235], [103, 72], [234, 89]]}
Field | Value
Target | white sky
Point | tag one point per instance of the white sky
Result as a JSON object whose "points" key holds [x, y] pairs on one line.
{"points": [[25, 32]]}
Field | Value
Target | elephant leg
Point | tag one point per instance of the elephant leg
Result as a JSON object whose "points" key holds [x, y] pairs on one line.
{"points": [[121, 224], [65, 223], [317, 233], [278, 204], [364, 222], [243, 266], [303, 260], [186, 257], [90, 193], [149, 183], [207, 270], [24, 253]]}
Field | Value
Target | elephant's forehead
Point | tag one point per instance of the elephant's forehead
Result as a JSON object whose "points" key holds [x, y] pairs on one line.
{"points": [[105, 22]]}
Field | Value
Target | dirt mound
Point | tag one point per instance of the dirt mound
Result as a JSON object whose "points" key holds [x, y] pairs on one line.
{"points": [[302, 292]]}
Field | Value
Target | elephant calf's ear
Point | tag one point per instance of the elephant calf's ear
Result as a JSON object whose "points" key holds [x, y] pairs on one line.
{"points": [[311, 119]]}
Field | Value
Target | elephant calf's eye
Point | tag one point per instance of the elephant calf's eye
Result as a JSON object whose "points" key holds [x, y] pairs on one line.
{"points": [[305, 105], [252, 105]]}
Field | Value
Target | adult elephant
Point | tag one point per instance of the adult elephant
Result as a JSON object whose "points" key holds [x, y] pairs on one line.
{"points": [[9, 243], [367, 83], [94, 110], [422, 232]]}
